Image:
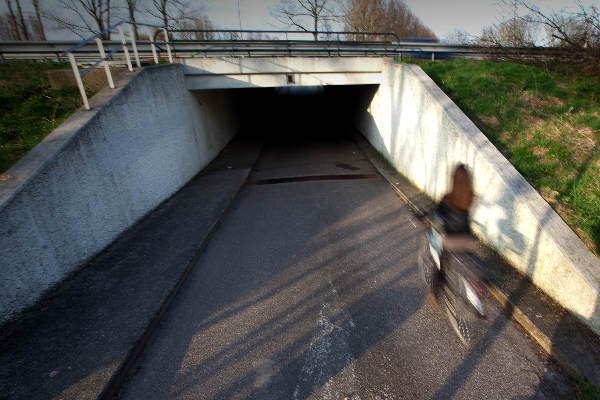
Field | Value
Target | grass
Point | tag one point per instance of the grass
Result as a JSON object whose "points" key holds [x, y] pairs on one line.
{"points": [[545, 123], [30, 108], [585, 390]]}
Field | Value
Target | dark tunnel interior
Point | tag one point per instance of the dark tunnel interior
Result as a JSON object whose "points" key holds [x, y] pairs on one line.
{"points": [[291, 114]]}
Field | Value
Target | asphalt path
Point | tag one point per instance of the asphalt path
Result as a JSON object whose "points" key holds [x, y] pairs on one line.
{"points": [[309, 289]]}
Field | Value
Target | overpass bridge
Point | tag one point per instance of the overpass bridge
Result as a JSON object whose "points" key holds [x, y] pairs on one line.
{"points": [[230, 228]]}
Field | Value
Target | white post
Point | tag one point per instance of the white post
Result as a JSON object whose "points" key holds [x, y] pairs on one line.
{"points": [[86, 104], [168, 46], [153, 47], [125, 49], [432, 56], [106, 66], [134, 45]]}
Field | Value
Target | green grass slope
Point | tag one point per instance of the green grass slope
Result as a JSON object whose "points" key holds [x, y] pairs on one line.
{"points": [[546, 124], [30, 108]]}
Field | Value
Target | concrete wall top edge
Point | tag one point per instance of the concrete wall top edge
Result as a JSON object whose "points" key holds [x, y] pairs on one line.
{"points": [[239, 73], [560, 233], [241, 81], [282, 65]]}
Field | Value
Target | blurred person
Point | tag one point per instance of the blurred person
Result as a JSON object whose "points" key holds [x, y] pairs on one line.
{"points": [[454, 210]]}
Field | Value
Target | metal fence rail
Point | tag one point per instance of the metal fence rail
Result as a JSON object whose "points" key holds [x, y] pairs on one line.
{"points": [[121, 45], [55, 50], [184, 48]]}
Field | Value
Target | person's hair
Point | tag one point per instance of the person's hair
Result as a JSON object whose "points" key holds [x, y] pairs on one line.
{"points": [[461, 193]]}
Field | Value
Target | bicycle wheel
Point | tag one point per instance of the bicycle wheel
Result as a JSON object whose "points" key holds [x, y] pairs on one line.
{"points": [[460, 318], [426, 264]]}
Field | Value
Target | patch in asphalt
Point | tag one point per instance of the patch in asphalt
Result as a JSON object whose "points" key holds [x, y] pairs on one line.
{"points": [[273, 181], [329, 351], [347, 166]]}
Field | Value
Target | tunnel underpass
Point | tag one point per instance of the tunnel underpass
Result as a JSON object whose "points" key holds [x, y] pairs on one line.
{"points": [[309, 287], [284, 268]]}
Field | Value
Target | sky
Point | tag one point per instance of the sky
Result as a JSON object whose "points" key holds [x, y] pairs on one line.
{"points": [[443, 17]]}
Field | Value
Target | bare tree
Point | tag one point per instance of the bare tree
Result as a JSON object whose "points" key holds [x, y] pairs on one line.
{"points": [[6, 30], [13, 21], [513, 32], [84, 17], [22, 20], [580, 30], [402, 21], [363, 16], [199, 22], [460, 36], [306, 15], [21, 26], [257, 36], [40, 24], [383, 16], [591, 18], [169, 12], [35, 33], [108, 17], [131, 9]]}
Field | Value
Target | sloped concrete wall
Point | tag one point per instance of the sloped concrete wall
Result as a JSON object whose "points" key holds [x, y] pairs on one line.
{"points": [[100, 172], [424, 135]]}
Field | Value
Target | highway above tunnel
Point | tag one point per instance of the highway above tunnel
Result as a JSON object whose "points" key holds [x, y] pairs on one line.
{"points": [[309, 289]]}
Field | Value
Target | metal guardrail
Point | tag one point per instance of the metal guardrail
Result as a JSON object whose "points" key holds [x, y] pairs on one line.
{"points": [[185, 48], [290, 43], [243, 48], [235, 46]]}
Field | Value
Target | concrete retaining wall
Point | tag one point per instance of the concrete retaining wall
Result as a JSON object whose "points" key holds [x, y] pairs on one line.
{"points": [[100, 172], [424, 135]]}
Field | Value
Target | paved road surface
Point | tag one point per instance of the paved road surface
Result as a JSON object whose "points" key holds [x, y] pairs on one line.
{"points": [[309, 290]]}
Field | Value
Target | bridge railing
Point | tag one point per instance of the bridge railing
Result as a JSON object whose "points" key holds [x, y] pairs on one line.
{"points": [[184, 43], [105, 57], [220, 42]]}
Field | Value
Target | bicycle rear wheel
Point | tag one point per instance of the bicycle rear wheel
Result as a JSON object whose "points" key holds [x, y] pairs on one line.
{"points": [[426, 263], [460, 318]]}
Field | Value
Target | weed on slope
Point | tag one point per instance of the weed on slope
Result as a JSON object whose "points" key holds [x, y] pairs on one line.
{"points": [[30, 108]]}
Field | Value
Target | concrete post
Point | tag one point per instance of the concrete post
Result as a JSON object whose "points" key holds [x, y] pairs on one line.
{"points": [[134, 45], [150, 36], [125, 49], [168, 45], [86, 104], [106, 66]]}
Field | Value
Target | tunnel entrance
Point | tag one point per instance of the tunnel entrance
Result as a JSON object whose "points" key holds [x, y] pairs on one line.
{"points": [[298, 113], [305, 132]]}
